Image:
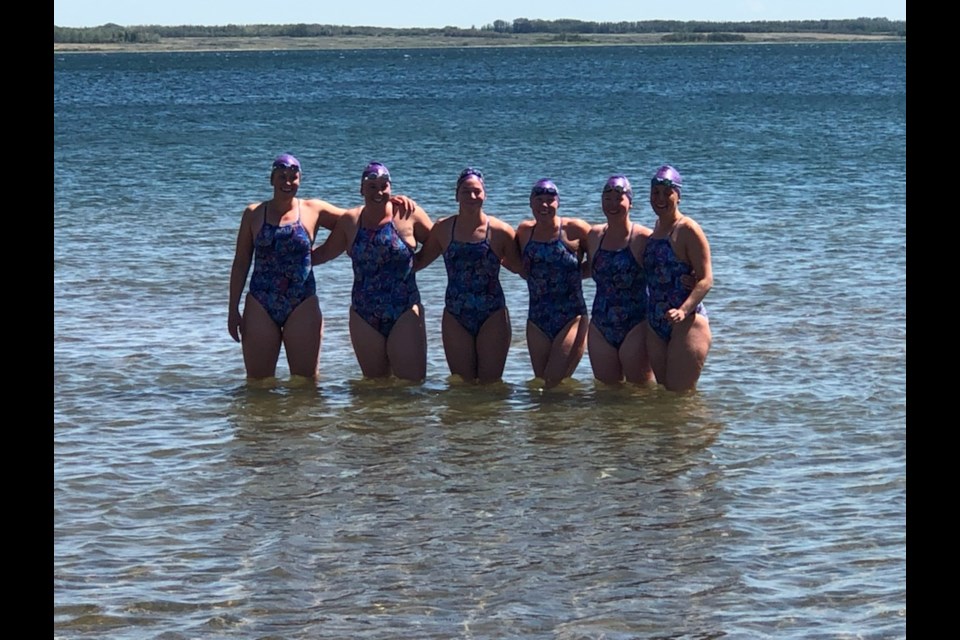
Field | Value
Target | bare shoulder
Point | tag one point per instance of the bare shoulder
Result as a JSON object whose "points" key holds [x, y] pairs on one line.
{"points": [[443, 223], [350, 217], [642, 229], [525, 228], [692, 228], [253, 206], [576, 228], [496, 224]]}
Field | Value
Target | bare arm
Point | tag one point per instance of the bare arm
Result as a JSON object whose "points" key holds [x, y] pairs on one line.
{"points": [[524, 232], [593, 243], [242, 259], [403, 206], [432, 248], [580, 230], [697, 251], [422, 225], [335, 244], [327, 214], [509, 249]]}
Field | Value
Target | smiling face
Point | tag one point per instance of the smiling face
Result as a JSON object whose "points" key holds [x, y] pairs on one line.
{"points": [[471, 194], [375, 190], [664, 199], [615, 200], [544, 203], [285, 181]]}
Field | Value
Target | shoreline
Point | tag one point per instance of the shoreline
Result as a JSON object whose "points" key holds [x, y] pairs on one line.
{"points": [[327, 43]]}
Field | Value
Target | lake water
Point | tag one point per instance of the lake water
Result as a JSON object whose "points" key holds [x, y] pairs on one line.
{"points": [[189, 503]]}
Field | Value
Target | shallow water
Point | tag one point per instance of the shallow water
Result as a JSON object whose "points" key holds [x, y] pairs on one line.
{"points": [[189, 503]]}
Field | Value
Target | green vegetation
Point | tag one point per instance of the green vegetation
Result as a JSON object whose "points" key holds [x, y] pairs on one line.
{"points": [[571, 31]]}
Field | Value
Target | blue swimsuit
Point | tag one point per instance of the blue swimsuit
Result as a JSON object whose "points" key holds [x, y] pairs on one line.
{"points": [[666, 291], [621, 300], [384, 285], [553, 280], [473, 281], [282, 275]]}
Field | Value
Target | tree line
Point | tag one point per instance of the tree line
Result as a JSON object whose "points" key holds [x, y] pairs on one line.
{"points": [[678, 30]]}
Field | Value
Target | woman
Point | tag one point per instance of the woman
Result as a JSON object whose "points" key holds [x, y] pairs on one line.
{"points": [[476, 325], [386, 317], [618, 326], [553, 251], [281, 306], [679, 336]]}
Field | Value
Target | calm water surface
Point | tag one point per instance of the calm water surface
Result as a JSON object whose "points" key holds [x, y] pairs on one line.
{"points": [[189, 503]]}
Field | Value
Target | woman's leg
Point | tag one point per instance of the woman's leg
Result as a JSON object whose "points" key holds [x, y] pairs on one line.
{"points": [[493, 344], [459, 347], [604, 358], [260, 337], [634, 358], [370, 347], [566, 351], [302, 335], [687, 353], [407, 346]]}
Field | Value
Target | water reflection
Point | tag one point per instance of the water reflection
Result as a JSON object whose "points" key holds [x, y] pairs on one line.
{"points": [[450, 507]]}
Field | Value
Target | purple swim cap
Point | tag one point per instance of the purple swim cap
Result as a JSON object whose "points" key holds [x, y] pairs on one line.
{"points": [[669, 176], [544, 186], [619, 183], [468, 173], [375, 170], [286, 161]]}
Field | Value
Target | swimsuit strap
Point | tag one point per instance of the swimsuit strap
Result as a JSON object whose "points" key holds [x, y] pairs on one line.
{"points": [[673, 228], [486, 233], [266, 207], [633, 227]]}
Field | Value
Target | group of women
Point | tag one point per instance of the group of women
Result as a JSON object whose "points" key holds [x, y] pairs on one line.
{"points": [[647, 322]]}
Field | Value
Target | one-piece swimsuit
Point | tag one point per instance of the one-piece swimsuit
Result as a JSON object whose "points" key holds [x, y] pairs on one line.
{"points": [[554, 284], [620, 303], [384, 283], [473, 281], [664, 287], [282, 274]]}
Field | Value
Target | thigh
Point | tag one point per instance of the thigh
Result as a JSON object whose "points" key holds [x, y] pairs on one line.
{"points": [[459, 347], [538, 346], [657, 355], [566, 351], [687, 353], [260, 338], [493, 345], [407, 346], [604, 358], [633, 356], [301, 338], [369, 346]]}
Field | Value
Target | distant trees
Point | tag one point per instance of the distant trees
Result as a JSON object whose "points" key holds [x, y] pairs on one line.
{"points": [[106, 33], [678, 31]]}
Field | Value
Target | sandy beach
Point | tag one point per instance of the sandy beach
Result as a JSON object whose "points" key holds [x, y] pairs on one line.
{"points": [[423, 42]]}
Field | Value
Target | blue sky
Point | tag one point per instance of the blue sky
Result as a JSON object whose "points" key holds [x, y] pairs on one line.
{"points": [[433, 13]]}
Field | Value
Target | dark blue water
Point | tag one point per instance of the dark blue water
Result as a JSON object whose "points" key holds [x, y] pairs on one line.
{"points": [[188, 503]]}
